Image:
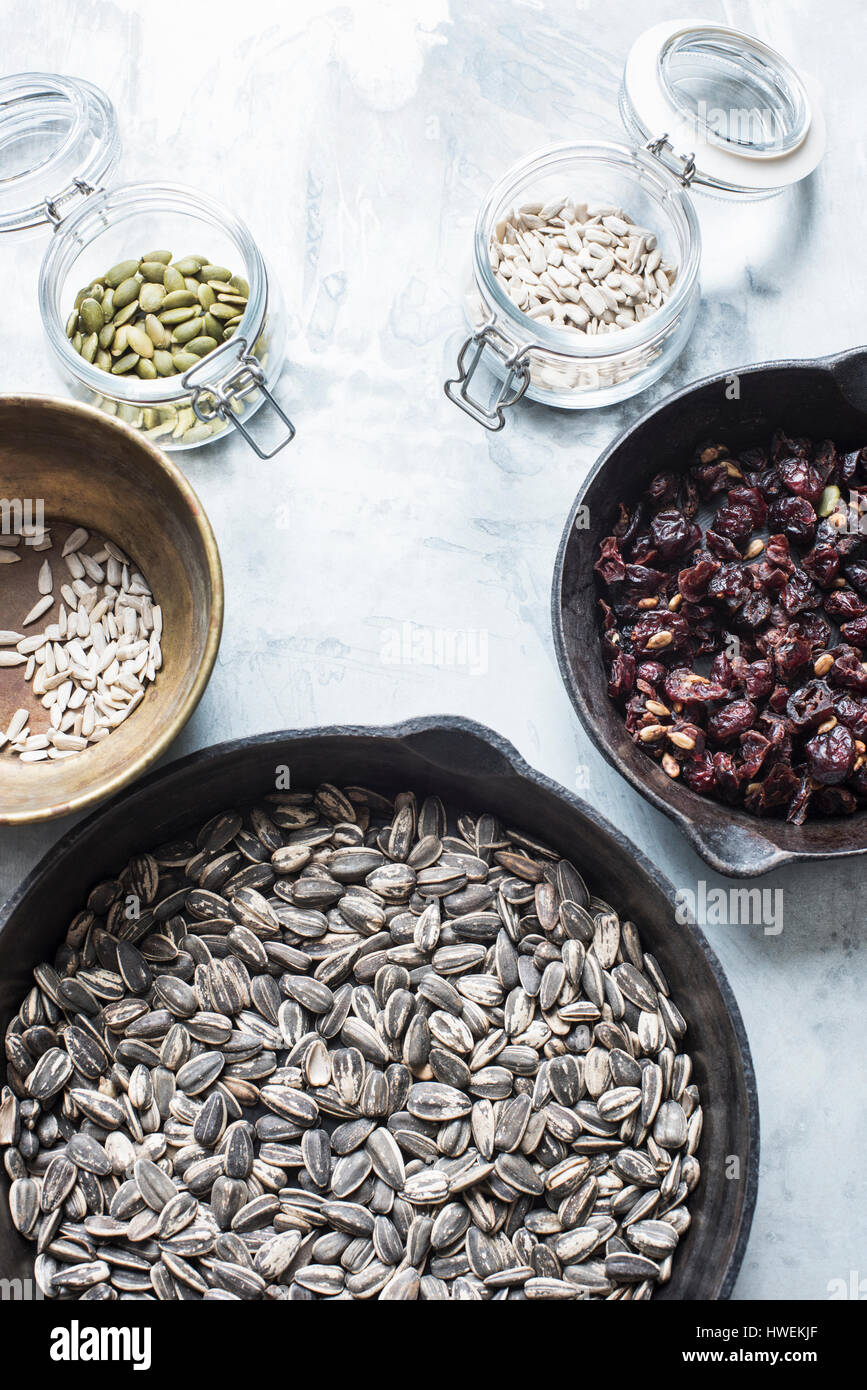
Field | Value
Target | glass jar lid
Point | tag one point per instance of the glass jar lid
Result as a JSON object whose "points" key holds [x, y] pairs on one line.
{"points": [[58, 142], [721, 108]]}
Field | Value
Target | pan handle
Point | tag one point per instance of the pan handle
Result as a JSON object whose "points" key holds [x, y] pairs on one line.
{"points": [[457, 750], [849, 370], [734, 850]]}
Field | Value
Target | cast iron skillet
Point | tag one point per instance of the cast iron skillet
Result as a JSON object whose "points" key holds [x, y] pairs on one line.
{"points": [[471, 767], [824, 398]]}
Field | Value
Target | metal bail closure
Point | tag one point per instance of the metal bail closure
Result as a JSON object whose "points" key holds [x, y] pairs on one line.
{"points": [[683, 165], [514, 384], [219, 398]]}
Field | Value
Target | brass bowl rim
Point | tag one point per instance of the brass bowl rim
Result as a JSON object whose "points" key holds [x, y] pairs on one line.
{"points": [[187, 497]]}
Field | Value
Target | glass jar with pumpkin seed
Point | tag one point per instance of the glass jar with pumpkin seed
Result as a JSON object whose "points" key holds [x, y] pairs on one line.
{"points": [[159, 306], [156, 300]]}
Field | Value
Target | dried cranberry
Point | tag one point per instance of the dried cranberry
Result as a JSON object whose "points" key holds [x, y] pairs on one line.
{"points": [[688, 687], [699, 774], [757, 679], [662, 489], [791, 654], [643, 580], [769, 483], [831, 756], [802, 479], [784, 446], [652, 673], [621, 676], [794, 517], [856, 573], [651, 627], [731, 720], [689, 499], [801, 801], [777, 554], [734, 522], [847, 468], [776, 789], [855, 632], [727, 780], [722, 547], [852, 713], [810, 706], [670, 531], [610, 566], [753, 614], [721, 671], [693, 582], [799, 594], [628, 525], [822, 564], [769, 577], [754, 749], [729, 586], [815, 630], [752, 499], [844, 605]]}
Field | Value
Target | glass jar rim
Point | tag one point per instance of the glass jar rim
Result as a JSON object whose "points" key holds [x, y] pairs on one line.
{"points": [[563, 341], [34, 196], [74, 233]]}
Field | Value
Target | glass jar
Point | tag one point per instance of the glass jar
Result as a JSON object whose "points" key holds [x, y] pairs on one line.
{"points": [[59, 141], [708, 108]]}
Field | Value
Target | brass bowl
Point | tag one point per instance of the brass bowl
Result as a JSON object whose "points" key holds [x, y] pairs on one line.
{"points": [[91, 470]]}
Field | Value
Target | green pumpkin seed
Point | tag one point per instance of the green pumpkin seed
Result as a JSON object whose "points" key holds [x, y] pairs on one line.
{"points": [[151, 297], [89, 347], [185, 421], [206, 296], [126, 292], [72, 324], [97, 290], [146, 369], [192, 284], [108, 305], [118, 347], [153, 271], [224, 312], [81, 296], [173, 280], [162, 256], [197, 434], [184, 360], [139, 341], [124, 270], [125, 364], [213, 327], [103, 360], [190, 329], [215, 272], [189, 265], [155, 331], [179, 299], [163, 362], [106, 336], [174, 316], [91, 314], [128, 312], [201, 345], [240, 286], [77, 340]]}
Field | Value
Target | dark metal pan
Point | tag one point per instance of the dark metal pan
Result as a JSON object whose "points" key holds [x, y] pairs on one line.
{"points": [[470, 767], [823, 398]]}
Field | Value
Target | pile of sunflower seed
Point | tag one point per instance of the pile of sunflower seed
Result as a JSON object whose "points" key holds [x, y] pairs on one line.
{"points": [[589, 271], [91, 664], [345, 1047]]}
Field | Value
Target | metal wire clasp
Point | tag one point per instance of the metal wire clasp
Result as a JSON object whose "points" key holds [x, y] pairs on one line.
{"points": [[681, 164], [514, 384], [212, 400], [52, 209]]}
